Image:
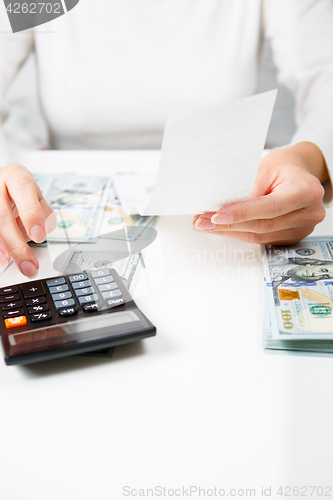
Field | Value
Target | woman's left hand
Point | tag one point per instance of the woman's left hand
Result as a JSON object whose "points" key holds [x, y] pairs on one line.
{"points": [[286, 203]]}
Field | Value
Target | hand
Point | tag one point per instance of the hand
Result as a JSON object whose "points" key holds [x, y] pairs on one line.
{"points": [[286, 202], [23, 217]]}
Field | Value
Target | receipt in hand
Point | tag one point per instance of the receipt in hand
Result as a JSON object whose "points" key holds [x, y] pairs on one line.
{"points": [[210, 157]]}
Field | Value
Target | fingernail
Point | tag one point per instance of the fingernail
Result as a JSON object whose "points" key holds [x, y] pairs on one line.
{"points": [[29, 269], [204, 224], [222, 218], [37, 234], [3, 259]]}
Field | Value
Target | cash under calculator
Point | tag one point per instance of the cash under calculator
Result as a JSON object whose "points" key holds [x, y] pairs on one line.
{"points": [[67, 315]]}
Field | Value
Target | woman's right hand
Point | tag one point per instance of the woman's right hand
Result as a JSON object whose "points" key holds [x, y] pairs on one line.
{"points": [[24, 216]]}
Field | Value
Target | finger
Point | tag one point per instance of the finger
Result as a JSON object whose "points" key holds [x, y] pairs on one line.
{"points": [[287, 237], [13, 239], [50, 218], [280, 202], [295, 219], [23, 191], [21, 227], [50, 223], [4, 255], [206, 215]]}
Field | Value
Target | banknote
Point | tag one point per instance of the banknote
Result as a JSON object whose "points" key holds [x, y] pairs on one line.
{"points": [[299, 284], [309, 347], [87, 207], [115, 218], [79, 203]]}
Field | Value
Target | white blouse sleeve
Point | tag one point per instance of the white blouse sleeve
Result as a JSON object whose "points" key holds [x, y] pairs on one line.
{"points": [[14, 50], [301, 38]]}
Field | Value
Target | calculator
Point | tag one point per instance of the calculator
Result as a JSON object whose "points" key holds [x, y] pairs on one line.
{"points": [[66, 315]]}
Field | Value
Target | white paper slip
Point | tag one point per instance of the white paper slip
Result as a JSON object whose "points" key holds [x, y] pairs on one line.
{"points": [[210, 157], [133, 189]]}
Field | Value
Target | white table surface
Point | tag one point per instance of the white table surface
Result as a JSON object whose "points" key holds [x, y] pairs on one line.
{"points": [[200, 404]]}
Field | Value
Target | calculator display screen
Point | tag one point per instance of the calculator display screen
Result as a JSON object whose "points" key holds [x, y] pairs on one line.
{"points": [[83, 330]]}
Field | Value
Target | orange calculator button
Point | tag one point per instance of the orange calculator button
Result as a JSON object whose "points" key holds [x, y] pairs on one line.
{"points": [[18, 321]]}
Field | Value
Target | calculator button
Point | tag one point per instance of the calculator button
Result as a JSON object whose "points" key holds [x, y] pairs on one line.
{"points": [[108, 286], [90, 307], [101, 281], [111, 295], [9, 298], [81, 284], [116, 302], [69, 311], [84, 291], [12, 312], [61, 296], [34, 290], [101, 272], [12, 322], [78, 277], [58, 289], [8, 290], [38, 309], [61, 304], [35, 301], [55, 282], [11, 305], [87, 299], [41, 316]]}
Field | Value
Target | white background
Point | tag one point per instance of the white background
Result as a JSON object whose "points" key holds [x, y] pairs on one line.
{"points": [[200, 404]]}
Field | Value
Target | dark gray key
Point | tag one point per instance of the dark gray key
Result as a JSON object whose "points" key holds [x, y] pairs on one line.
{"points": [[108, 286], [84, 291], [87, 299], [61, 304], [40, 316], [56, 282], [12, 312], [32, 290], [9, 298], [111, 295], [105, 279], [61, 296], [81, 284], [11, 305], [90, 307], [8, 290], [38, 309], [101, 272], [69, 311], [78, 277], [58, 288], [35, 300]]}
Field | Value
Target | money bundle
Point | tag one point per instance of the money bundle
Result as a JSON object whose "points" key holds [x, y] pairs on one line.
{"points": [[299, 297], [86, 207], [89, 213]]}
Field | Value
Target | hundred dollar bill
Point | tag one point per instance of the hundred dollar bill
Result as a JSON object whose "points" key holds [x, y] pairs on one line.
{"points": [[309, 347], [87, 207], [79, 203], [299, 281], [115, 218]]}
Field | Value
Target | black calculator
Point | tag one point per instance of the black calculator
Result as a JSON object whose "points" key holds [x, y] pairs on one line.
{"points": [[66, 315]]}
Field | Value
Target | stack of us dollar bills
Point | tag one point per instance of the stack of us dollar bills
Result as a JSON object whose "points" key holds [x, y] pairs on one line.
{"points": [[299, 297], [88, 210]]}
